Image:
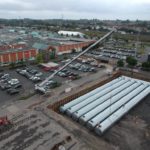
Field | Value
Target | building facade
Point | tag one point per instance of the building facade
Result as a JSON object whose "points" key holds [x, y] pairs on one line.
{"points": [[70, 47], [70, 33], [15, 56]]}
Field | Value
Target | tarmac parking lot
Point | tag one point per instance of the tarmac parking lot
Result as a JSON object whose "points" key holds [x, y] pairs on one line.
{"points": [[28, 86]]}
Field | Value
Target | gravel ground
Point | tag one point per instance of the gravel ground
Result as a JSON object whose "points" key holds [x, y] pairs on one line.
{"points": [[133, 130]]}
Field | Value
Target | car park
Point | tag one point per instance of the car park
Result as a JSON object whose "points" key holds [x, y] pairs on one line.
{"points": [[7, 83]]}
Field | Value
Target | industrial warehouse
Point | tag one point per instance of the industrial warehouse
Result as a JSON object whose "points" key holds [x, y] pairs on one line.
{"points": [[102, 107], [16, 52]]}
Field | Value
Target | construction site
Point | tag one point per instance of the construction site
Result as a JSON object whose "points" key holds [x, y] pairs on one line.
{"points": [[108, 111], [44, 127], [132, 127]]}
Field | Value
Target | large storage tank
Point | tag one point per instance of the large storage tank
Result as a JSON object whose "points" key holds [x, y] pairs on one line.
{"points": [[102, 107]]}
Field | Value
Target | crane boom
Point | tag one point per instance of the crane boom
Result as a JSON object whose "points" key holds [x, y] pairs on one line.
{"points": [[39, 87]]}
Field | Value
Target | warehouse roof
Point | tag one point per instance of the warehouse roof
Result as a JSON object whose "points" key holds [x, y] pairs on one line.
{"points": [[70, 33], [40, 46]]}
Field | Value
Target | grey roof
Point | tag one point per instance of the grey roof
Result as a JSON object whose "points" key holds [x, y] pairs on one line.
{"points": [[53, 35], [40, 46], [54, 43]]}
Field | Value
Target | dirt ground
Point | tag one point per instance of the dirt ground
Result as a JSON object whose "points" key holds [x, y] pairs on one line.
{"points": [[39, 128], [43, 129], [132, 132]]}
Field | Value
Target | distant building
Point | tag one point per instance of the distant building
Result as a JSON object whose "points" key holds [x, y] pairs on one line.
{"points": [[12, 30], [63, 46], [40, 46], [16, 53], [22, 32], [12, 46], [35, 34], [70, 33]]}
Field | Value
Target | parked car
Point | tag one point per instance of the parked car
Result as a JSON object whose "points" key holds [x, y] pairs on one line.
{"points": [[36, 79], [23, 72], [1, 70], [33, 71], [17, 86], [13, 81], [5, 86], [62, 74], [52, 84], [49, 82], [101, 66], [64, 70], [12, 91], [5, 80], [27, 75], [38, 74], [6, 75], [73, 77], [18, 70], [1, 74], [92, 69]]}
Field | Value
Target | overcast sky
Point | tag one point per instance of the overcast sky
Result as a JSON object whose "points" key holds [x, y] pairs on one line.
{"points": [[76, 9]]}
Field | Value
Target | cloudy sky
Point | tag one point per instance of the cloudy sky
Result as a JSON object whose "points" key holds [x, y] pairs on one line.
{"points": [[76, 9]]}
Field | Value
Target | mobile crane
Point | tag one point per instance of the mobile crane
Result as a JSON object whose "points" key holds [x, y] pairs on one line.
{"points": [[42, 88]]}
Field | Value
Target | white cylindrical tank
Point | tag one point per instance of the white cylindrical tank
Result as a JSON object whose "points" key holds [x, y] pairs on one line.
{"points": [[107, 112], [102, 93], [103, 126], [102, 100], [81, 98], [86, 117]]}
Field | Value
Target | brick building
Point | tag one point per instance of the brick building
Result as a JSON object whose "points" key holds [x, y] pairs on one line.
{"points": [[69, 46], [16, 53]]}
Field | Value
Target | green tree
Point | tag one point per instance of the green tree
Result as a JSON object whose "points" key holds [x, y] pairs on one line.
{"points": [[52, 54], [39, 58], [21, 62], [131, 61], [146, 66], [120, 63], [12, 65]]}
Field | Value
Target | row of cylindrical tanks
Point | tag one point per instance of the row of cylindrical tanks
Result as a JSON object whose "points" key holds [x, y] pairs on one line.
{"points": [[102, 107]]}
